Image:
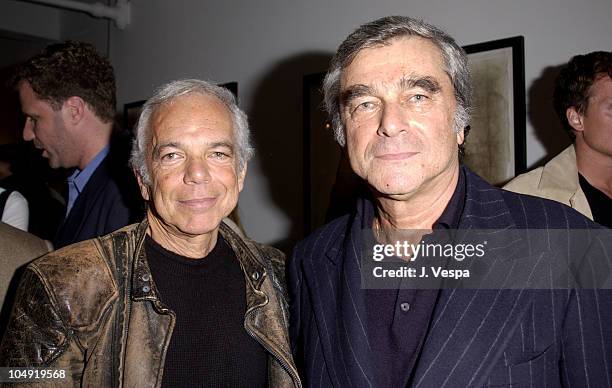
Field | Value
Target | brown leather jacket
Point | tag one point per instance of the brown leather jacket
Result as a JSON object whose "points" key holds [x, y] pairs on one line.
{"points": [[93, 309]]}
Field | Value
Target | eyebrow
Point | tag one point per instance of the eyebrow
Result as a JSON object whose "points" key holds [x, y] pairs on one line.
{"points": [[429, 84], [218, 144], [221, 144], [158, 147], [355, 91]]}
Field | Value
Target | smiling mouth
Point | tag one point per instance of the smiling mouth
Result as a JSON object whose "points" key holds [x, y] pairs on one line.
{"points": [[396, 156], [198, 203]]}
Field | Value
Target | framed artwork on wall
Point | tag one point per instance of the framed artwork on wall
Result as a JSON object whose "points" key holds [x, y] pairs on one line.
{"points": [[495, 146]]}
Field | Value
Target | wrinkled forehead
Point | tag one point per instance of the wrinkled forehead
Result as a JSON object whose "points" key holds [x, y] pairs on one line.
{"points": [[185, 115], [397, 58]]}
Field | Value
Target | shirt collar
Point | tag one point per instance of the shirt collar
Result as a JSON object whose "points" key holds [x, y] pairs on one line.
{"points": [[452, 213], [81, 177]]}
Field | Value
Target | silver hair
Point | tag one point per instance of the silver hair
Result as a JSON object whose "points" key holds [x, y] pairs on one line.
{"points": [[379, 33], [173, 90]]}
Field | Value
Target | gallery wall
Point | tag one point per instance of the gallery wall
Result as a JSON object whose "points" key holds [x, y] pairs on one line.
{"points": [[267, 46]]}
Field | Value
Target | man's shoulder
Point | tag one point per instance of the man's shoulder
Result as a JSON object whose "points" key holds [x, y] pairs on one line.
{"points": [[20, 245], [530, 211], [526, 183], [268, 254], [522, 210], [79, 281], [325, 237], [274, 259], [233, 236], [558, 176]]}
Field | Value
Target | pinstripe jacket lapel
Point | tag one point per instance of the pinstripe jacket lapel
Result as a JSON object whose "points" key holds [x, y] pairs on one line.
{"points": [[339, 310], [470, 328]]}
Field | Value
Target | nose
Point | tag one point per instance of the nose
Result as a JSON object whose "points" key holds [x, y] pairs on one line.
{"points": [[393, 120], [196, 172], [28, 130]]}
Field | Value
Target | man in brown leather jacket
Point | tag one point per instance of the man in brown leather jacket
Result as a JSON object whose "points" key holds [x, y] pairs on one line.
{"points": [[180, 299]]}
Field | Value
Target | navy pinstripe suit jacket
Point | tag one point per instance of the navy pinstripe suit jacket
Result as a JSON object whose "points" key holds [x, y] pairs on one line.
{"points": [[518, 338]]}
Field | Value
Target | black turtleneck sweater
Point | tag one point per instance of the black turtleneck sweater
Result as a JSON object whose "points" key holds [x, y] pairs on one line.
{"points": [[209, 346]]}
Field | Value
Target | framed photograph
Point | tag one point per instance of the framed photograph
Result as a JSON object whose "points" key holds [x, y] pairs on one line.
{"points": [[495, 146], [131, 110]]}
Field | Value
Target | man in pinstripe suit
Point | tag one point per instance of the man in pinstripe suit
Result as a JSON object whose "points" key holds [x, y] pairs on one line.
{"points": [[398, 92]]}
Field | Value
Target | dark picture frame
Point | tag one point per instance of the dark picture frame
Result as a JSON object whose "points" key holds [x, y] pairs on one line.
{"points": [[496, 144], [131, 110]]}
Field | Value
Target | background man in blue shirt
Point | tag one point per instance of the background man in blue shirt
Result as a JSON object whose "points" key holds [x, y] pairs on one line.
{"points": [[67, 94]]}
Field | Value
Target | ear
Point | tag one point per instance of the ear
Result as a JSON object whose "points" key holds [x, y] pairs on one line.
{"points": [[74, 109], [575, 119], [241, 176], [461, 136], [144, 189]]}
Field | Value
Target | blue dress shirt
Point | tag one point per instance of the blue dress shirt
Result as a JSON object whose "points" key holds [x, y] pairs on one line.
{"points": [[79, 178]]}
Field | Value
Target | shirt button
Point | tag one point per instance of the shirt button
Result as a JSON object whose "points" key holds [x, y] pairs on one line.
{"points": [[146, 289], [255, 275], [405, 306], [146, 277]]}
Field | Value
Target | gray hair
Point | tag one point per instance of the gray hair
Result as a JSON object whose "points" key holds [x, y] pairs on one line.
{"points": [[173, 90], [378, 33]]}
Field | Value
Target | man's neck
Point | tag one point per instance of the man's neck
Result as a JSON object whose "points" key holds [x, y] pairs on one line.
{"points": [[195, 247], [595, 166], [95, 138], [419, 210]]}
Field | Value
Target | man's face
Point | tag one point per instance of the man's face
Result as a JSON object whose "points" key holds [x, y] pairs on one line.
{"points": [[398, 105], [597, 120], [192, 161], [46, 128]]}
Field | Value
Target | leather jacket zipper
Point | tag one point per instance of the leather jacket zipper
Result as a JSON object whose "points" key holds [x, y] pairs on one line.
{"points": [[128, 312], [126, 302], [278, 357]]}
